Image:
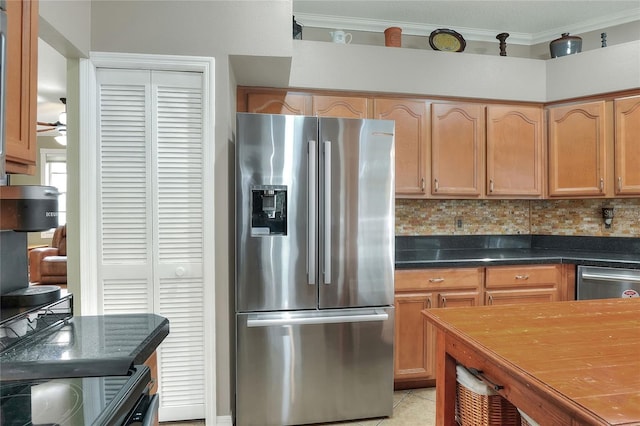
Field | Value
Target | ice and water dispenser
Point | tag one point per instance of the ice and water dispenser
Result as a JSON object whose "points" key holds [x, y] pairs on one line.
{"points": [[268, 210]]}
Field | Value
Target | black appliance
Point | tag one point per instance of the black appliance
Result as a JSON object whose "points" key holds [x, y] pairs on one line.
{"points": [[24, 208], [57, 369], [117, 400]]}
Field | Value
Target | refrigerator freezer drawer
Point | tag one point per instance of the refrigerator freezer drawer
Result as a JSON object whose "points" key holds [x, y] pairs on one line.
{"points": [[299, 369]]}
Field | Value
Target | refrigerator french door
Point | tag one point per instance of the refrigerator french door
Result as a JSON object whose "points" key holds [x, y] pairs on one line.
{"points": [[314, 269]]}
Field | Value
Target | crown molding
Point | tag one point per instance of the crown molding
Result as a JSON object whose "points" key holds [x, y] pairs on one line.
{"points": [[475, 34]]}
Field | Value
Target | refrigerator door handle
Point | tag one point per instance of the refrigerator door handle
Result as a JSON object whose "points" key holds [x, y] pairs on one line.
{"points": [[312, 214], [256, 320], [327, 212]]}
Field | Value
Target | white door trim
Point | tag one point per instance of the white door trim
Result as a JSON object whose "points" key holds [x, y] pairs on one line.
{"points": [[88, 186]]}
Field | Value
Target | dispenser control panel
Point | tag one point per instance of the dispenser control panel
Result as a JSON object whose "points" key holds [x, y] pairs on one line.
{"points": [[268, 210]]}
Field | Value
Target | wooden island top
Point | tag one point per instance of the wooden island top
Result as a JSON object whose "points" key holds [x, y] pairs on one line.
{"points": [[562, 363]]}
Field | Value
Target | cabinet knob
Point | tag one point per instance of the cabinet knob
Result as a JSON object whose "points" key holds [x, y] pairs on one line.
{"points": [[435, 185], [436, 280], [422, 185], [522, 277], [619, 183], [601, 184], [490, 185], [443, 302]]}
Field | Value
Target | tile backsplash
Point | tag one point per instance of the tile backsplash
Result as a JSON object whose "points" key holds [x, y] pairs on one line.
{"points": [[495, 217]]}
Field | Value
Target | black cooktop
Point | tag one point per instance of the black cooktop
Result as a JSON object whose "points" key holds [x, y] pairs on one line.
{"points": [[73, 401], [85, 346]]}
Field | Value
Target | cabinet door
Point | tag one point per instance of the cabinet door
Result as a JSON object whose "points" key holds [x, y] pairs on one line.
{"points": [[279, 102], [456, 299], [414, 337], [21, 85], [577, 150], [339, 106], [627, 146], [514, 151], [412, 143], [457, 150]]}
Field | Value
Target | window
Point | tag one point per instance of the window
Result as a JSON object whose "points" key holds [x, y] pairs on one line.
{"points": [[53, 172]]}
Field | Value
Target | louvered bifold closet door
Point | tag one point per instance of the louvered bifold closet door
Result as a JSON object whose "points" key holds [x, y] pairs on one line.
{"points": [[178, 109], [151, 218], [125, 267]]}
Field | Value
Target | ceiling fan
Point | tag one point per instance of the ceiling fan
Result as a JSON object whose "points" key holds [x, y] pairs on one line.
{"points": [[60, 126]]}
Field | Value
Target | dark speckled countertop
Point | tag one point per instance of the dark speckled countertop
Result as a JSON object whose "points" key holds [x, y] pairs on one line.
{"points": [[103, 345], [493, 250]]}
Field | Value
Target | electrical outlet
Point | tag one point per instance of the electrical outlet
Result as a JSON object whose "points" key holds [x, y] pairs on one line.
{"points": [[458, 222]]}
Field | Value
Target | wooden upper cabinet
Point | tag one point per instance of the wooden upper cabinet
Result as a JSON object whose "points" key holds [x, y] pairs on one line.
{"points": [[278, 102], [514, 151], [627, 146], [411, 142], [339, 106], [578, 150], [457, 150], [21, 86]]}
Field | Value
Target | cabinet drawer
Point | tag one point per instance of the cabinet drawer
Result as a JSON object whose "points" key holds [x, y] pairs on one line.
{"points": [[522, 276], [428, 279]]}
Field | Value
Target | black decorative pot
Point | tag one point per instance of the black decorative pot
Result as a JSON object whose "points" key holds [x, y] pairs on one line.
{"points": [[565, 45]]}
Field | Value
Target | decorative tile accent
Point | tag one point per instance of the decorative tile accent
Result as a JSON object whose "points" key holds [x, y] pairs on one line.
{"points": [[584, 217], [499, 217]]}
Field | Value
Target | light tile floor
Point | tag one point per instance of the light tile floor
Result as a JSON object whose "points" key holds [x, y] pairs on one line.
{"points": [[410, 407]]}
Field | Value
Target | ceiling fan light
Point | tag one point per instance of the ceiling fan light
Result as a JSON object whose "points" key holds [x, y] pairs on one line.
{"points": [[62, 118], [62, 139]]}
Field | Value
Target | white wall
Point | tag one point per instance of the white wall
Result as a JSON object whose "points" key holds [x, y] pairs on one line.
{"points": [[385, 69], [595, 71], [66, 25]]}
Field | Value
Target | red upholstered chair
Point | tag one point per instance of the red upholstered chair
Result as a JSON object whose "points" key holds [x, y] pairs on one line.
{"points": [[48, 265]]}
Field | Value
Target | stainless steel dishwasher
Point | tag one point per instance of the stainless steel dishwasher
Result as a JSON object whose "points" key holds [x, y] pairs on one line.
{"points": [[596, 282]]}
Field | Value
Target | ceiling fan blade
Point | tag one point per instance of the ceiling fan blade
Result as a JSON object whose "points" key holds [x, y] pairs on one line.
{"points": [[43, 123], [46, 130]]}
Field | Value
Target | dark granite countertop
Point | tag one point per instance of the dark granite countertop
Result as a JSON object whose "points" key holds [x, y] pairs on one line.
{"points": [[491, 250], [103, 345]]}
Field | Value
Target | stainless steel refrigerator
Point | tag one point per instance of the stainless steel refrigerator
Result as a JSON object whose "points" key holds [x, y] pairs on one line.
{"points": [[314, 269]]}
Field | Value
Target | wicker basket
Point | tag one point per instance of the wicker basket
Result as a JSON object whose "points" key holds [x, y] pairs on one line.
{"points": [[478, 405]]}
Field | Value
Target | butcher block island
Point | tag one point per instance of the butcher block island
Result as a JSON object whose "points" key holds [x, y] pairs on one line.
{"points": [[561, 363]]}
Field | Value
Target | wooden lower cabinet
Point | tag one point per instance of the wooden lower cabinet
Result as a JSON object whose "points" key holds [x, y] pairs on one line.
{"points": [[414, 363], [152, 363], [414, 336], [524, 284], [418, 289]]}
